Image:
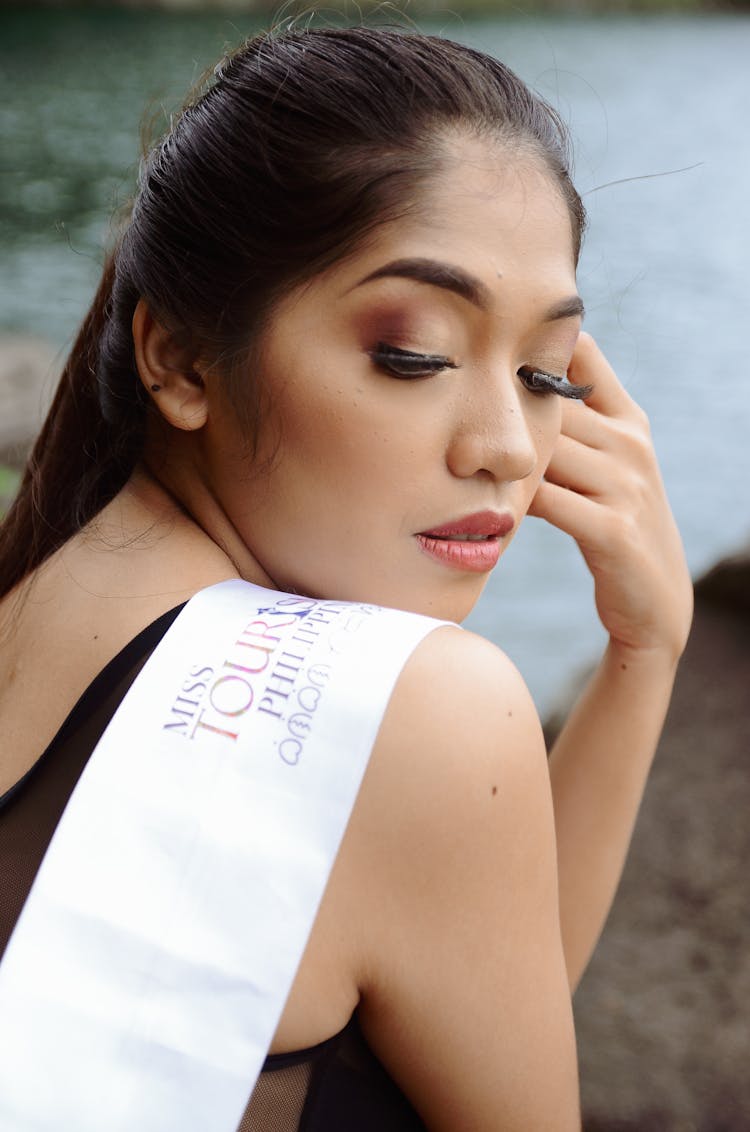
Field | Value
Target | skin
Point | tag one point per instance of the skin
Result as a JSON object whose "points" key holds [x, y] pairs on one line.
{"points": [[459, 922], [410, 454]]}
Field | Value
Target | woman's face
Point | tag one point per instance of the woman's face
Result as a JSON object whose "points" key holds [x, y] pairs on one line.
{"points": [[399, 447]]}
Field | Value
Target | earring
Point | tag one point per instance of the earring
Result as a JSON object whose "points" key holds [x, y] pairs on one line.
{"points": [[155, 388]]}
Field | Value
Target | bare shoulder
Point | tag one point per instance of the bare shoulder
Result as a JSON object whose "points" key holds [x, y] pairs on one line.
{"points": [[462, 979], [461, 719], [461, 745], [453, 675]]}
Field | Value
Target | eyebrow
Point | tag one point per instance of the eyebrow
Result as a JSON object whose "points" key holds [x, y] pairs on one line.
{"points": [[567, 308], [455, 279]]}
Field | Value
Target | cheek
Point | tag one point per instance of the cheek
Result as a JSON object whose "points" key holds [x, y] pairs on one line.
{"points": [[545, 429], [325, 438], [301, 415]]}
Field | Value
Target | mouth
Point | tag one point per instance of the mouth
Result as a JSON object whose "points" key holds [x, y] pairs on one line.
{"points": [[457, 537], [480, 526], [471, 543]]}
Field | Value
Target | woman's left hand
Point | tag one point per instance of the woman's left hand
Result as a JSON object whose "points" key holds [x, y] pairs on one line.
{"points": [[604, 488]]}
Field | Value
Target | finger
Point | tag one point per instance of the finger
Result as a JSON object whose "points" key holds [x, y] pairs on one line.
{"points": [[575, 514], [590, 367], [583, 424], [578, 468]]}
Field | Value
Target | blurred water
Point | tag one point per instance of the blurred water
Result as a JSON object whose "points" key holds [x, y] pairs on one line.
{"points": [[664, 277], [664, 271]]}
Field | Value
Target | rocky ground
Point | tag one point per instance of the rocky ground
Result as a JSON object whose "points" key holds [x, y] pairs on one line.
{"points": [[663, 1014]]}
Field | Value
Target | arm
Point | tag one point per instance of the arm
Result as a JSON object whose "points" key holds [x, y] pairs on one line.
{"points": [[598, 769], [603, 487], [464, 994]]}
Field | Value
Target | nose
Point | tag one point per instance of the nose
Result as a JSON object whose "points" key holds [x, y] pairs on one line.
{"points": [[492, 438]]}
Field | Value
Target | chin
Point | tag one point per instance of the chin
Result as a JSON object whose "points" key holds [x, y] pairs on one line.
{"points": [[456, 608], [449, 596], [452, 602]]}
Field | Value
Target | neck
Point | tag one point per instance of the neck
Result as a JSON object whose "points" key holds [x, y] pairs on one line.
{"points": [[177, 498]]}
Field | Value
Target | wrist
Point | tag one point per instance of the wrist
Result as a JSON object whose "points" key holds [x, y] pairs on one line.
{"points": [[658, 660]]}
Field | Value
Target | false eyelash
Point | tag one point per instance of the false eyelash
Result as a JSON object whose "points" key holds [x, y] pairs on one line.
{"points": [[539, 381], [407, 363]]}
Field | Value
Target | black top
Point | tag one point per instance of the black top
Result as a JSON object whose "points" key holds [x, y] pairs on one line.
{"points": [[337, 1086]]}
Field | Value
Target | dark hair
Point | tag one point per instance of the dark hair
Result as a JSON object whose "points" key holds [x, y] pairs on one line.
{"points": [[303, 143]]}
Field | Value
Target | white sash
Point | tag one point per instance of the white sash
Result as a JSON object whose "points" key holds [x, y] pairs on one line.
{"points": [[147, 973]]}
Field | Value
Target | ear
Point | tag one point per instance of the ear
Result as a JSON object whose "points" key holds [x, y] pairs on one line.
{"points": [[167, 371]]}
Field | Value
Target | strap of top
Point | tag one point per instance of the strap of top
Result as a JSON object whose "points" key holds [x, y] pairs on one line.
{"points": [[117, 669]]}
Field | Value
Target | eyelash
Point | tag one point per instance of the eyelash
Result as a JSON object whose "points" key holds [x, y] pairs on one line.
{"points": [[540, 382], [406, 365]]}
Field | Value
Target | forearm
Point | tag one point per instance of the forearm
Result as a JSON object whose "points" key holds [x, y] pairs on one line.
{"points": [[598, 768]]}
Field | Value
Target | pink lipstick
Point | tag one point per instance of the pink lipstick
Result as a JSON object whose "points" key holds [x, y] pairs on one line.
{"points": [[471, 543]]}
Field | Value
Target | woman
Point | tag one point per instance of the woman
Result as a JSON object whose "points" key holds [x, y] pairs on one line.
{"points": [[337, 352]]}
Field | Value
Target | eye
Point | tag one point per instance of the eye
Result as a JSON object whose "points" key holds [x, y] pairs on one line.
{"points": [[406, 363], [541, 382]]}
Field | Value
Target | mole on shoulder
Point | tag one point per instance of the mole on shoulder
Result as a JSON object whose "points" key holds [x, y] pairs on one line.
{"points": [[494, 789]]}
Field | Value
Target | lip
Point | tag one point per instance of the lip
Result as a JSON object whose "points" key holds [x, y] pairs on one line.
{"points": [[492, 524], [476, 556]]}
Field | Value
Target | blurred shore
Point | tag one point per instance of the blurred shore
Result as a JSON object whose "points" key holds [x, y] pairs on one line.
{"points": [[406, 8], [663, 1013]]}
